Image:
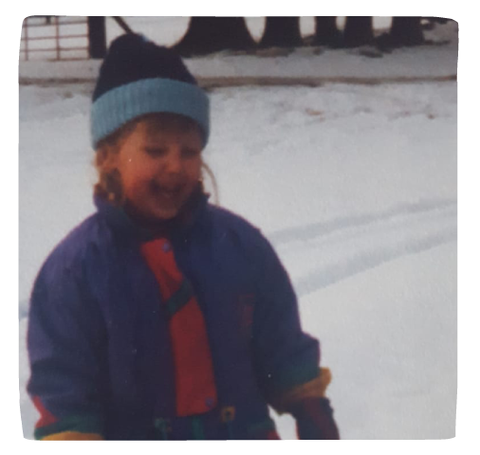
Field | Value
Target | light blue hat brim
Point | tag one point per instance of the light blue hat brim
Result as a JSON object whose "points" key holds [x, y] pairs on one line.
{"points": [[147, 96]]}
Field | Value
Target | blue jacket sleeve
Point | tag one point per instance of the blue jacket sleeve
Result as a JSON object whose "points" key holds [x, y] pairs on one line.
{"points": [[285, 356], [66, 347]]}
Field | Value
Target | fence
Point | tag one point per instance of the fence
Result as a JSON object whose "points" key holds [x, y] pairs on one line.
{"points": [[54, 38]]}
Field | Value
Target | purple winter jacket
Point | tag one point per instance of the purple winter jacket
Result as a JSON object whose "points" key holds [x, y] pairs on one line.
{"points": [[99, 344]]}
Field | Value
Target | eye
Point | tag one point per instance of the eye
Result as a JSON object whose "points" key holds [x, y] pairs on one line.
{"points": [[155, 151], [189, 153]]}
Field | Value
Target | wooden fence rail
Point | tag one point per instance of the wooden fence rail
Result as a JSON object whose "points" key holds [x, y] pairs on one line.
{"points": [[55, 38]]}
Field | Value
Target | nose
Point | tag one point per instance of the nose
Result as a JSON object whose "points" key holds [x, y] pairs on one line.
{"points": [[174, 162]]}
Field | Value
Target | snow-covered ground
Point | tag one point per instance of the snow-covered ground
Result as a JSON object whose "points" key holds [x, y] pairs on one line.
{"points": [[354, 184]]}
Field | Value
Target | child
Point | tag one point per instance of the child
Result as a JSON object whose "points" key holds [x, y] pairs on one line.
{"points": [[162, 316]]}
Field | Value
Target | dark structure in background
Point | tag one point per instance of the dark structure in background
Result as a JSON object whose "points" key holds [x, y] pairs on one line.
{"points": [[212, 34], [97, 36], [406, 31], [281, 32], [206, 35], [326, 31], [358, 31]]}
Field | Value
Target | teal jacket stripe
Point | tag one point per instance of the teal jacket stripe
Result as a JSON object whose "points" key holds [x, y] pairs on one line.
{"points": [[179, 299]]}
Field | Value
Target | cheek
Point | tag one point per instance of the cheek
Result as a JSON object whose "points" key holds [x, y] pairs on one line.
{"points": [[194, 171], [134, 176]]}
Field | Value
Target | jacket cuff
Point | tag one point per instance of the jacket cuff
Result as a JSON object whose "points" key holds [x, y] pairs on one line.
{"points": [[76, 427], [314, 388], [73, 436]]}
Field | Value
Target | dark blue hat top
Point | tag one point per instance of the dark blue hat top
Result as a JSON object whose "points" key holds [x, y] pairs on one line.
{"points": [[138, 77]]}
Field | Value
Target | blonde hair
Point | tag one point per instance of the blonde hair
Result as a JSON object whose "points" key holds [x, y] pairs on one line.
{"points": [[109, 184]]}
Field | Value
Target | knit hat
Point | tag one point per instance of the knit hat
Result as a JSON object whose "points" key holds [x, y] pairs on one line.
{"points": [[138, 77]]}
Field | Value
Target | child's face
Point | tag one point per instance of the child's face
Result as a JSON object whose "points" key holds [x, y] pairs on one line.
{"points": [[160, 166]]}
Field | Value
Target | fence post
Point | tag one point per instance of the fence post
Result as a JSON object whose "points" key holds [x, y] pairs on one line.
{"points": [[97, 38]]}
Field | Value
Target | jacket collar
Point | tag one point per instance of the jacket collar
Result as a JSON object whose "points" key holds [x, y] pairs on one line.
{"points": [[179, 227]]}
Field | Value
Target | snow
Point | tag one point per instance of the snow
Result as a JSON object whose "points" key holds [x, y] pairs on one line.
{"points": [[354, 184]]}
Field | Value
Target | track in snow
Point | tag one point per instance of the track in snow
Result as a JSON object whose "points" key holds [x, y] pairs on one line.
{"points": [[322, 254]]}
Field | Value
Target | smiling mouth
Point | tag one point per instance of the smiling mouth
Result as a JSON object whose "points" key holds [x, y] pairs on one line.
{"points": [[167, 192]]}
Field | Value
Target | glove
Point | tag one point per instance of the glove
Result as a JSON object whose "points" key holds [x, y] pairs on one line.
{"points": [[314, 418], [310, 408]]}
